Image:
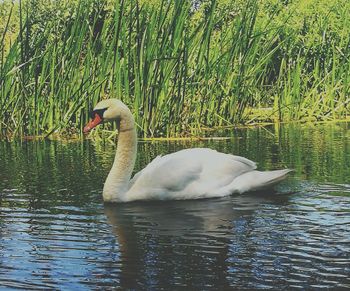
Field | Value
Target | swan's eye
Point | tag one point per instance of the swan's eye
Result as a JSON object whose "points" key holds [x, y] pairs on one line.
{"points": [[97, 111]]}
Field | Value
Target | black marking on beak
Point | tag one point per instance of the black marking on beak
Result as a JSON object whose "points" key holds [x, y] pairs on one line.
{"points": [[97, 111]]}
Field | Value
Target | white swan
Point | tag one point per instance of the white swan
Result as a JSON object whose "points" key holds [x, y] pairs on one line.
{"points": [[187, 174]]}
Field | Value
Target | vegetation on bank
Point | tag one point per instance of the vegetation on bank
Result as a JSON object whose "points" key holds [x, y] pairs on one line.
{"points": [[179, 65]]}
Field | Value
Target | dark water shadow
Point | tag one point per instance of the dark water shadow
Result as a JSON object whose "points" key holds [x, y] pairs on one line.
{"points": [[191, 236]]}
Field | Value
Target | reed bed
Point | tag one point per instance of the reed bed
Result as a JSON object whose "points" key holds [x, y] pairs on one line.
{"points": [[179, 65]]}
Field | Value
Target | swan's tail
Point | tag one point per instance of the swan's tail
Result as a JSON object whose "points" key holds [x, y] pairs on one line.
{"points": [[257, 180]]}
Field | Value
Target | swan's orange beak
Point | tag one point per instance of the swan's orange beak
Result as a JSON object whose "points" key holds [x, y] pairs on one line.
{"points": [[92, 123]]}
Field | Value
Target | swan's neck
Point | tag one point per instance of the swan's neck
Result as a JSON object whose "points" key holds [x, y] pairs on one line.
{"points": [[117, 182]]}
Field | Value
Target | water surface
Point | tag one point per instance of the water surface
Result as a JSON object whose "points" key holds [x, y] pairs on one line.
{"points": [[56, 233]]}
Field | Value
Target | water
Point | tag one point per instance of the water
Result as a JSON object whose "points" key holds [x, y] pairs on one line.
{"points": [[56, 233]]}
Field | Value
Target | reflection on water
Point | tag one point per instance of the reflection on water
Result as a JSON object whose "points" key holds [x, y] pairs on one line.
{"points": [[56, 233], [183, 243]]}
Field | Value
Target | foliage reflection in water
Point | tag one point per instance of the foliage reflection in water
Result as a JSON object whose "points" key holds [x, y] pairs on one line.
{"points": [[57, 233]]}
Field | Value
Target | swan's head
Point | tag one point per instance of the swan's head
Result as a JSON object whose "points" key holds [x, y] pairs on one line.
{"points": [[105, 111]]}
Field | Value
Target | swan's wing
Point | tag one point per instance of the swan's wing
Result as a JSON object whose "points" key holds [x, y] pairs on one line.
{"points": [[246, 165], [139, 174], [170, 173], [216, 164], [193, 171]]}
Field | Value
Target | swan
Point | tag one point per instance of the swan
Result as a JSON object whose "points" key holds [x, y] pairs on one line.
{"points": [[187, 174]]}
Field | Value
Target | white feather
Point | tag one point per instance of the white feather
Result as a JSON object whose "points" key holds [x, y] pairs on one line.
{"points": [[198, 173]]}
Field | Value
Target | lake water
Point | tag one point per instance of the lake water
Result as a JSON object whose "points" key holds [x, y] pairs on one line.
{"points": [[56, 233]]}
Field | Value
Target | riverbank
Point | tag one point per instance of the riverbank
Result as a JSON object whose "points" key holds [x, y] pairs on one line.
{"points": [[219, 133]]}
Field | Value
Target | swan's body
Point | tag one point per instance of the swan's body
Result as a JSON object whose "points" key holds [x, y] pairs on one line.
{"points": [[187, 174]]}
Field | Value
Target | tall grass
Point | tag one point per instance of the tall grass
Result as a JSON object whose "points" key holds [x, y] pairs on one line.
{"points": [[177, 65]]}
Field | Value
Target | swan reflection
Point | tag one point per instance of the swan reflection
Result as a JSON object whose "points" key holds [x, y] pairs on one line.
{"points": [[191, 237]]}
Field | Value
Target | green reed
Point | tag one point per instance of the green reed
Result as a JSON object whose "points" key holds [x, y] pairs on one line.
{"points": [[177, 66]]}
